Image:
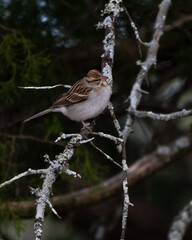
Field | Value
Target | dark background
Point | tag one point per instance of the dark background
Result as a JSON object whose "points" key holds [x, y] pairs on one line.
{"points": [[46, 42]]}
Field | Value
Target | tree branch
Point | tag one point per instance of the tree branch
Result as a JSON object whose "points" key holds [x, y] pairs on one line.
{"points": [[59, 165], [33, 138], [178, 23], [112, 10], [45, 87], [106, 155], [142, 168], [180, 223], [24, 174], [136, 92], [160, 116]]}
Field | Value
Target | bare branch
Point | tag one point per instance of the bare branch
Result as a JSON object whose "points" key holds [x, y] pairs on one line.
{"points": [[87, 140], [72, 173], [65, 136], [115, 121], [106, 155], [52, 209], [126, 201], [127, 130], [114, 139], [178, 23], [56, 168], [136, 92], [151, 58], [135, 28], [180, 223], [24, 174], [29, 137], [160, 116], [46, 87], [113, 9], [125, 192], [117, 126]]}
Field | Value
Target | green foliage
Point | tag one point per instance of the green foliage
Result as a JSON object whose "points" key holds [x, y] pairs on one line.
{"points": [[52, 126], [19, 64], [8, 216], [7, 148], [87, 165]]}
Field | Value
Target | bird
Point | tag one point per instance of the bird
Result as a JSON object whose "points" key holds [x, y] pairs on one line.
{"points": [[85, 100]]}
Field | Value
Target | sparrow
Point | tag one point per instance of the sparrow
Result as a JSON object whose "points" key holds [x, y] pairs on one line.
{"points": [[86, 99]]}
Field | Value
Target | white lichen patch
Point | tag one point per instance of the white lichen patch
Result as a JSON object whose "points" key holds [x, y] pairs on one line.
{"points": [[107, 23], [99, 25], [182, 142], [107, 72], [112, 7], [163, 150], [108, 44]]}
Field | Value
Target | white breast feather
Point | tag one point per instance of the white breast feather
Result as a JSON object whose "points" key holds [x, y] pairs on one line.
{"points": [[92, 107]]}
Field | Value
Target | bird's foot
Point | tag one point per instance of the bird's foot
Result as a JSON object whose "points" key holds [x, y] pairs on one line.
{"points": [[87, 126]]}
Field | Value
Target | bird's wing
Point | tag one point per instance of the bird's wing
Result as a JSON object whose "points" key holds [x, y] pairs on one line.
{"points": [[77, 93]]}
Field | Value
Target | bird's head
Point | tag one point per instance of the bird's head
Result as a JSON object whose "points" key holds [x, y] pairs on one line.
{"points": [[95, 78]]}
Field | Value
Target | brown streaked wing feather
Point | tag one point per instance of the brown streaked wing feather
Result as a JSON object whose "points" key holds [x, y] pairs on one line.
{"points": [[77, 93]]}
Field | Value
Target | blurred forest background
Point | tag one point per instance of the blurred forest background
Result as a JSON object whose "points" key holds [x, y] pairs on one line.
{"points": [[55, 42]]}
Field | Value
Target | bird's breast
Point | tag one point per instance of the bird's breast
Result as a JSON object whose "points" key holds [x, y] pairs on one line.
{"points": [[96, 102]]}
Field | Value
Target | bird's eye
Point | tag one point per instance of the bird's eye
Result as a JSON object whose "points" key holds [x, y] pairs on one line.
{"points": [[95, 80]]}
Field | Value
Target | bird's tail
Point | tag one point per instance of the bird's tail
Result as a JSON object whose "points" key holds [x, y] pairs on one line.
{"points": [[38, 114]]}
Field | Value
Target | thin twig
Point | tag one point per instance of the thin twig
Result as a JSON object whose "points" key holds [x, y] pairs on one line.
{"points": [[117, 125], [29, 137], [106, 155], [114, 139], [65, 136], [180, 223], [115, 121], [178, 23], [71, 173], [21, 175], [135, 31], [125, 192], [52, 209], [45, 87], [160, 116]]}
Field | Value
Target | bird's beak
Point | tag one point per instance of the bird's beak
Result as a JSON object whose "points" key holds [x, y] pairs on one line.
{"points": [[104, 78]]}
